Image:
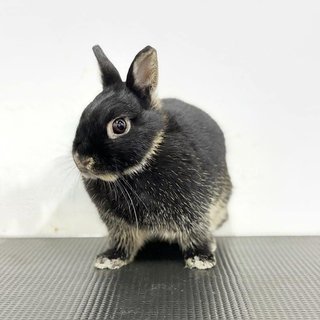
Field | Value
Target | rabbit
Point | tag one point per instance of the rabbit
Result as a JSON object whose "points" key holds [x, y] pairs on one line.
{"points": [[155, 169]]}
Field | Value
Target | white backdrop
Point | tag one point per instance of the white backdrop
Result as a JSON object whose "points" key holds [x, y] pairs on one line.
{"points": [[253, 66]]}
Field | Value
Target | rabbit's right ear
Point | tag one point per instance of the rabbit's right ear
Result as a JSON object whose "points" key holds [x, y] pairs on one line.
{"points": [[109, 74], [142, 77]]}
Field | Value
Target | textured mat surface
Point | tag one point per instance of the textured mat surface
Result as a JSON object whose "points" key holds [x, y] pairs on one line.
{"points": [[255, 278]]}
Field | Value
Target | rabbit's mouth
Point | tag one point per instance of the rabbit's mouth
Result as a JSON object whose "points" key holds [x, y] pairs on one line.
{"points": [[88, 175], [106, 176], [85, 166]]}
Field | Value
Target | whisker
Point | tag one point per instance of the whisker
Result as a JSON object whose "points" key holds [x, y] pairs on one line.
{"points": [[134, 209], [133, 191], [124, 196]]}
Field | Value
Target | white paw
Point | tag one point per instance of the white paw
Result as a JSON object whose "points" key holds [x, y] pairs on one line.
{"points": [[106, 263], [197, 263]]}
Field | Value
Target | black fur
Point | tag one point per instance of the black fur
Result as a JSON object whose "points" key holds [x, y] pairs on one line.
{"points": [[173, 192]]}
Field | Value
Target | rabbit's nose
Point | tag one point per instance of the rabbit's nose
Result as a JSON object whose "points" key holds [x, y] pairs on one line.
{"points": [[85, 162]]}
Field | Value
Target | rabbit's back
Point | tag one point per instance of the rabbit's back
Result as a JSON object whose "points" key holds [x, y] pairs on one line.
{"points": [[197, 131]]}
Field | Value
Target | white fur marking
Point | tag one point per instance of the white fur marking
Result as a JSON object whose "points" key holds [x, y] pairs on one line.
{"points": [[213, 245], [109, 177], [217, 213], [196, 263], [106, 263], [152, 151]]}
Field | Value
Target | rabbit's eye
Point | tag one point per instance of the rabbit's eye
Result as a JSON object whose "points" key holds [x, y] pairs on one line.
{"points": [[118, 127]]}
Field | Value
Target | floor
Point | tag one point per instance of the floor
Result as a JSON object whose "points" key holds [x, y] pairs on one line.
{"points": [[255, 278]]}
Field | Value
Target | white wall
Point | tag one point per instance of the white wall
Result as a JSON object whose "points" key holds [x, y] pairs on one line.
{"points": [[259, 65]]}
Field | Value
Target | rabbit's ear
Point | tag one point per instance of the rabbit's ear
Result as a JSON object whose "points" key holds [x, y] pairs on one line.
{"points": [[109, 74], [142, 77]]}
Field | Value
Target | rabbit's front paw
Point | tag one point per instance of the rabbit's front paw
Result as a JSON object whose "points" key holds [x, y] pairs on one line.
{"points": [[201, 262], [104, 262], [201, 257], [111, 259]]}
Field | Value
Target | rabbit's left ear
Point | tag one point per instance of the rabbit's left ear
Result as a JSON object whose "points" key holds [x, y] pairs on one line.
{"points": [[142, 77], [109, 74]]}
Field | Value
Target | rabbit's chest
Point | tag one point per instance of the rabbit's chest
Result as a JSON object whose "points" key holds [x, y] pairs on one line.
{"points": [[153, 205]]}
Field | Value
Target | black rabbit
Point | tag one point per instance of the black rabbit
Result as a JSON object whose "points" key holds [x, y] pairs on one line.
{"points": [[155, 169]]}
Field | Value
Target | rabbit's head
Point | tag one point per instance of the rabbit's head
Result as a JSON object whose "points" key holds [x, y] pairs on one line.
{"points": [[121, 129]]}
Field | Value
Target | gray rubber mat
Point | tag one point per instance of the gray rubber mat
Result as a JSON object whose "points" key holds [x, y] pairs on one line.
{"points": [[255, 278]]}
